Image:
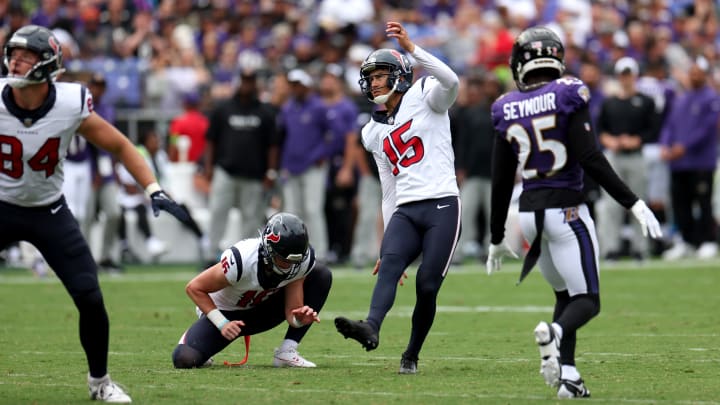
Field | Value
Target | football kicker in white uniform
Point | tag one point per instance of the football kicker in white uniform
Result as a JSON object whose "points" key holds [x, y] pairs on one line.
{"points": [[257, 284], [410, 141]]}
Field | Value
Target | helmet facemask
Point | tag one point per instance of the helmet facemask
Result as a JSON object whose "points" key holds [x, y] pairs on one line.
{"points": [[286, 267], [399, 73], [285, 245], [43, 43], [393, 78]]}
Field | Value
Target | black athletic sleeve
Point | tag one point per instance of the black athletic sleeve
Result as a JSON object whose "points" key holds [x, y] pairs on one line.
{"points": [[583, 144], [504, 166]]}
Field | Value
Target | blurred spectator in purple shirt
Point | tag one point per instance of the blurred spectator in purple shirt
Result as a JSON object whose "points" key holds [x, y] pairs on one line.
{"points": [[304, 157], [689, 143], [342, 116], [49, 12]]}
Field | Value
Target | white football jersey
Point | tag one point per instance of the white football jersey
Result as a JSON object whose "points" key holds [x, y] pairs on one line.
{"points": [[32, 153], [414, 150], [240, 264]]}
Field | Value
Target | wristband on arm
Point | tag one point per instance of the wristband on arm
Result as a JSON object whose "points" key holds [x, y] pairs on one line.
{"points": [[152, 188], [296, 322], [217, 318]]}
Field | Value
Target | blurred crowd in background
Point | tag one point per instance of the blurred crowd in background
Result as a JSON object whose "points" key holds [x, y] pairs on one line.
{"points": [[180, 57], [160, 49]]}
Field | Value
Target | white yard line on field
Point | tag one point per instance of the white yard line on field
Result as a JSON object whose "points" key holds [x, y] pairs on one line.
{"points": [[406, 311], [400, 394], [474, 269]]}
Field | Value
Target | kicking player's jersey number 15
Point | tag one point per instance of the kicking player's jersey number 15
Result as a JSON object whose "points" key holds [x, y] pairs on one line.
{"points": [[397, 150]]}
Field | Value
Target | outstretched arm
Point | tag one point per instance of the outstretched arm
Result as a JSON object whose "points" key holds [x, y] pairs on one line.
{"points": [[103, 134], [582, 144], [504, 166]]}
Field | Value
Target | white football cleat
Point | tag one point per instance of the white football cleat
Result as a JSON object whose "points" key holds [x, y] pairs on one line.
{"points": [[107, 391], [549, 347], [679, 250], [155, 247], [573, 389], [290, 358], [707, 250]]}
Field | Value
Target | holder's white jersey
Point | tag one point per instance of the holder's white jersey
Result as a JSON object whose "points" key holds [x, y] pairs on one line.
{"points": [[240, 264], [413, 148], [33, 147]]}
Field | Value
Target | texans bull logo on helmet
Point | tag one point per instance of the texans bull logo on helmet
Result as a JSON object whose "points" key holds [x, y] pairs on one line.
{"points": [[271, 234]]}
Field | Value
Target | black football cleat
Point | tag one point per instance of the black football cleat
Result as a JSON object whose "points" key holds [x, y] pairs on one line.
{"points": [[110, 266], [408, 364], [573, 389], [358, 330]]}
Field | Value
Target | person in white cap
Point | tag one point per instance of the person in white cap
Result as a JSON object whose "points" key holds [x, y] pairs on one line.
{"points": [[627, 120], [305, 152]]}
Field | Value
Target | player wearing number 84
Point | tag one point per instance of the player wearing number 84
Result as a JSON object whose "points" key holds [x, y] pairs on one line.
{"points": [[410, 141], [38, 119]]}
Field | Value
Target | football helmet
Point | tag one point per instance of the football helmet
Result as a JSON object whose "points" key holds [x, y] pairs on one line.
{"points": [[41, 41], [536, 48], [399, 67], [285, 240]]}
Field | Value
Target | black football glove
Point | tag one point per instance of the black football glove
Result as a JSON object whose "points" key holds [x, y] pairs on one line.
{"points": [[161, 201]]}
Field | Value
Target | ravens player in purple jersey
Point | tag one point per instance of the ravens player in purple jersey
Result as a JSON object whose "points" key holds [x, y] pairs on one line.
{"points": [[545, 128]]}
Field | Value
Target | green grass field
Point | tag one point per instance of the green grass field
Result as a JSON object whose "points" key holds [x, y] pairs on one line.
{"points": [[656, 341]]}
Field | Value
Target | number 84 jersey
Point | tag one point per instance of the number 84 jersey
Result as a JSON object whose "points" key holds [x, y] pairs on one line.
{"points": [[413, 149], [535, 123], [33, 144]]}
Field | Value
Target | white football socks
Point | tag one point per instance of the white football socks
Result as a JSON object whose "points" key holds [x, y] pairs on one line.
{"points": [[569, 373], [288, 344], [558, 330]]}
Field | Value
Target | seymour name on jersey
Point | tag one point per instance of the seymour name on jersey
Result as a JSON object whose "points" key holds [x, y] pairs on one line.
{"points": [[530, 106]]}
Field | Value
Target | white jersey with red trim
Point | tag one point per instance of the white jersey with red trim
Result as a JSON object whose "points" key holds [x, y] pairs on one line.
{"points": [[413, 148], [33, 148], [241, 266]]}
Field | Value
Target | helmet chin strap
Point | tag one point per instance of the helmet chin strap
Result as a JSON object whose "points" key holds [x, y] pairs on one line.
{"points": [[384, 98], [19, 82]]}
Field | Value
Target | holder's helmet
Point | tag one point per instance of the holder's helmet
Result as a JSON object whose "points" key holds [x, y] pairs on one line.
{"points": [[285, 243]]}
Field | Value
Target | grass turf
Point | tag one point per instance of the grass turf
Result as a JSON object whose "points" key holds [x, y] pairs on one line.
{"points": [[654, 342]]}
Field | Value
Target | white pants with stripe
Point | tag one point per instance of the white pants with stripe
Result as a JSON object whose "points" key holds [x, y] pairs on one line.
{"points": [[304, 196], [569, 249]]}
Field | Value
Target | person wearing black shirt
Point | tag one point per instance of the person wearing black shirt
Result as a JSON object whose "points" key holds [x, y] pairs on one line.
{"points": [[240, 160], [626, 122]]}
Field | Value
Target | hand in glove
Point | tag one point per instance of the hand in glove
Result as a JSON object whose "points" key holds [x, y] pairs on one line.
{"points": [[495, 256], [161, 201], [647, 220]]}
